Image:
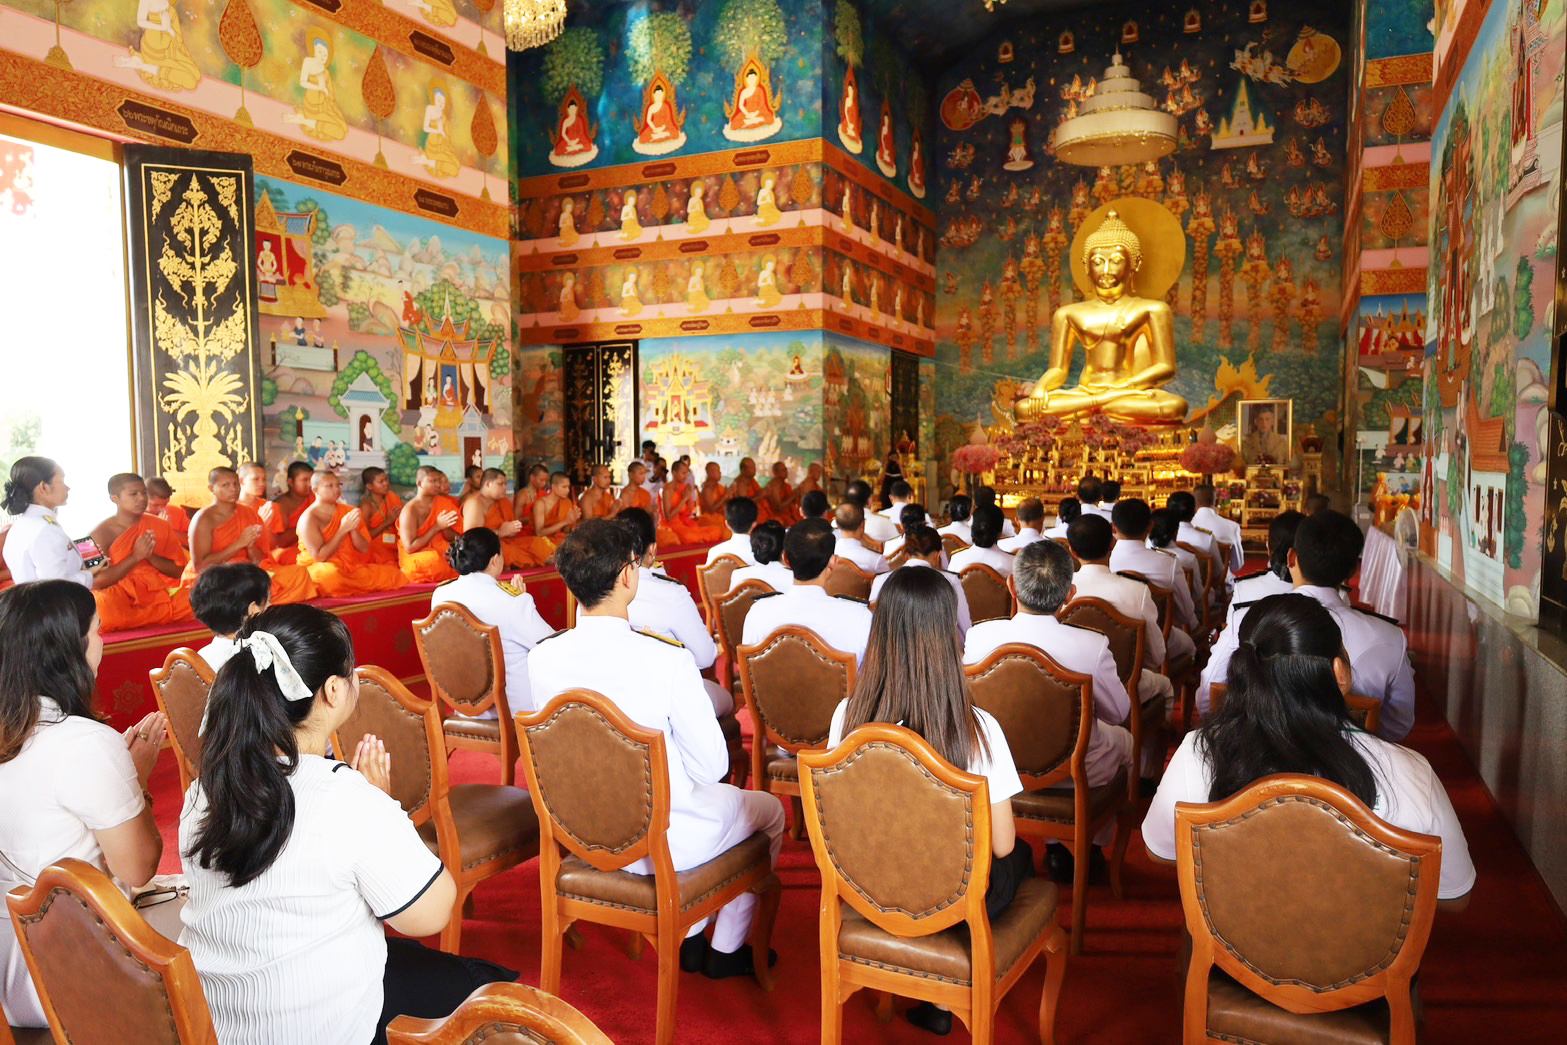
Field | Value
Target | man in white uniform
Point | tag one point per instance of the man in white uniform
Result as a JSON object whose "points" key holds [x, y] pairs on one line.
{"points": [[1184, 505], [959, 509], [1275, 579], [1164, 526], [1226, 530], [1066, 514], [767, 540], [654, 682], [815, 505], [899, 493], [1031, 524], [842, 623], [740, 513], [911, 516], [984, 496], [1090, 491], [986, 530], [851, 519], [1131, 520], [1326, 554], [924, 546], [878, 528], [1109, 496]]}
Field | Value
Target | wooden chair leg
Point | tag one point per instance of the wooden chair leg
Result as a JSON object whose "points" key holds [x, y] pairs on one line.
{"points": [[797, 832], [884, 1006], [1055, 973], [769, 893], [668, 979], [634, 946], [1123, 836], [1080, 860], [981, 1017], [832, 1005], [550, 943], [574, 938], [467, 906]]}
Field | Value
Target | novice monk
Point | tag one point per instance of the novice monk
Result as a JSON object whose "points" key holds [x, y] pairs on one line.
{"points": [[334, 548], [556, 514], [812, 481], [381, 509], [522, 504], [711, 497], [145, 559], [678, 503], [596, 501], [745, 484], [227, 531], [446, 502], [281, 514], [780, 501], [634, 494], [472, 479], [158, 493], [424, 530], [491, 508]]}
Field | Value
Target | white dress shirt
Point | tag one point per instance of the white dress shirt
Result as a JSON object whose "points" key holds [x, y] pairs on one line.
{"points": [[1162, 569], [738, 545], [993, 557], [1254, 589], [664, 606], [880, 528], [850, 548], [1079, 650], [1205, 545], [996, 766], [1409, 796], [1131, 598], [1226, 530], [1057, 531], [37, 548], [1026, 536], [510, 611], [892, 512], [775, 575], [963, 531], [217, 653], [841, 623], [964, 620], [1097, 509], [1188, 562], [1378, 657]]}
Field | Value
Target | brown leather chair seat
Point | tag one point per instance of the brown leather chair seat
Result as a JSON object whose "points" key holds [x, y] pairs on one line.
{"points": [[472, 728], [496, 820], [1056, 805], [32, 1035], [782, 766], [945, 955], [1237, 1014], [635, 891]]}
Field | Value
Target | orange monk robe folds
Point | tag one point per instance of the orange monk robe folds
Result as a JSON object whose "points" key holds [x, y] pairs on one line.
{"points": [[564, 506], [143, 597], [445, 504], [289, 583], [640, 497], [520, 552], [428, 564], [349, 571], [273, 520], [383, 549], [783, 490], [681, 525]]}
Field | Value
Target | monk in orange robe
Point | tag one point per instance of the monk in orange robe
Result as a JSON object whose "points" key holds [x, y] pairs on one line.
{"points": [[333, 545], [282, 514], [780, 501], [634, 494], [745, 484], [711, 497], [596, 501], [227, 531], [556, 513], [681, 524], [425, 529], [140, 587], [446, 502], [522, 504], [490, 507], [158, 494], [381, 509]]}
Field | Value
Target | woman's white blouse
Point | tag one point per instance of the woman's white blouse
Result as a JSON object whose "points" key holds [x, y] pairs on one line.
{"points": [[997, 767], [511, 611], [37, 548]]}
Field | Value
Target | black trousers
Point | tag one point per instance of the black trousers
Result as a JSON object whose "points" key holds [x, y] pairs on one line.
{"points": [[1006, 874], [427, 983]]}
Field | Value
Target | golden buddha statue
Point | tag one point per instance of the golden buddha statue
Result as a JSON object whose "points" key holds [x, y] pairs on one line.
{"points": [[1129, 341]]}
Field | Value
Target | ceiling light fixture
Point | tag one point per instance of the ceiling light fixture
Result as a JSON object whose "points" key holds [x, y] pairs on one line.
{"points": [[530, 23], [1113, 123]]}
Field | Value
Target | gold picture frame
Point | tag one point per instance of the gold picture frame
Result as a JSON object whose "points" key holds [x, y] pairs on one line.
{"points": [[1266, 430]]}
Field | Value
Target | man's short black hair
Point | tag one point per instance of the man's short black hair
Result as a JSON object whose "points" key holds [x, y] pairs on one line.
{"points": [[1183, 504], [1090, 490], [1042, 576], [901, 490], [911, 515], [986, 526], [850, 517], [1110, 491], [809, 547], [984, 495], [1090, 537], [858, 492], [959, 507], [814, 504], [591, 557], [767, 541], [740, 513], [1327, 548], [222, 595], [644, 531], [1281, 538], [1131, 518], [1031, 511], [648, 444]]}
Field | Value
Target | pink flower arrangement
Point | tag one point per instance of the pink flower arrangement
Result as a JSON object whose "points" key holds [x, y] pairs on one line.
{"points": [[1096, 429], [975, 458], [1029, 436], [1135, 440], [1207, 458]]}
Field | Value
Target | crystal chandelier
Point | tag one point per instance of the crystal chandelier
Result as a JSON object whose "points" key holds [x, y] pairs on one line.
{"points": [[530, 23], [1113, 123]]}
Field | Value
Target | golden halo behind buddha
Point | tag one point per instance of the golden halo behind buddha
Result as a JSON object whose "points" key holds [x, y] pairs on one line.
{"points": [[1160, 241]]}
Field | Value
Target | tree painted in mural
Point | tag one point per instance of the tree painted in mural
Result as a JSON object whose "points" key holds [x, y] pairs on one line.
{"points": [[573, 59], [747, 27], [659, 42], [364, 363], [443, 294]]}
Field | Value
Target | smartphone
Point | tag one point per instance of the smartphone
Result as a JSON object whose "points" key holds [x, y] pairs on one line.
{"points": [[91, 554]]}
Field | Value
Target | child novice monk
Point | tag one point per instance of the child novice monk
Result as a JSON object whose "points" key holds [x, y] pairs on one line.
{"points": [[425, 529], [334, 548], [556, 513], [226, 531], [634, 494], [678, 503], [381, 509], [596, 501], [490, 507], [158, 494], [140, 586], [281, 514]]}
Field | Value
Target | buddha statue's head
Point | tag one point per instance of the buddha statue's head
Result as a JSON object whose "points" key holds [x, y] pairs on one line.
{"points": [[1112, 255]]}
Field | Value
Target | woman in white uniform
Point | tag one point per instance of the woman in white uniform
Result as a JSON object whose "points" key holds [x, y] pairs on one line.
{"points": [[476, 556], [37, 547]]}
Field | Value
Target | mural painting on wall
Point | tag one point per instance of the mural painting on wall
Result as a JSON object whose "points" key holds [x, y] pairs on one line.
{"points": [[1255, 184], [278, 67], [859, 58], [1390, 371], [856, 408], [385, 338], [683, 82], [1495, 185]]}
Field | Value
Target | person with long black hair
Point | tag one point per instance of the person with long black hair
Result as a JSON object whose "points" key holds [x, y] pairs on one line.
{"points": [[1284, 712], [72, 785], [37, 548], [294, 862]]}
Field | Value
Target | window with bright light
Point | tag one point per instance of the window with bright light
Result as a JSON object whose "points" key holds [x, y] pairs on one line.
{"points": [[65, 387]]}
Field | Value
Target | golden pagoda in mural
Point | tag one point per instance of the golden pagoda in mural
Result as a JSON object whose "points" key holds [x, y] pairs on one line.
{"points": [[680, 402]]}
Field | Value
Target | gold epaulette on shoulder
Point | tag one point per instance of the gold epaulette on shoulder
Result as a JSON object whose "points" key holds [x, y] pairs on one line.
{"points": [[447, 581], [666, 577], [661, 638], [1164, 551], [853, 598], [553, 635], [509, 589]]}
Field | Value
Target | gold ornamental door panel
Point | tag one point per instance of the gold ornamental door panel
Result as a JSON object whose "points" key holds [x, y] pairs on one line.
{"points": [[194, 338], [601, 408]]}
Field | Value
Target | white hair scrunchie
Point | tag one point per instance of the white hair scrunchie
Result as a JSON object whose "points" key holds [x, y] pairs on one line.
{"points": [[267, 652]]}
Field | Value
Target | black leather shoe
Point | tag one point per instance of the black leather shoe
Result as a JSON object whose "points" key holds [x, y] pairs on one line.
{"points": [[1059, 864], [927, 1017], [693, 952], [720, 965]]}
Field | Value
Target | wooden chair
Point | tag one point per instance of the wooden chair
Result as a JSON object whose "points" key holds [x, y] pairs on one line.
{"points": [[1206, 571], [501, 1014], [988, 596], [902, 840], [845, 578], [897, 558], [951, 543], [478, 830], [1047, 714], [793, 682], [1365, 712], [467, 674], [612, 817], [25, 1035], [1128, 646], [712, 582], [1281, 950], [1181, 671], [181, 687], [104, 976], [733, 606]]}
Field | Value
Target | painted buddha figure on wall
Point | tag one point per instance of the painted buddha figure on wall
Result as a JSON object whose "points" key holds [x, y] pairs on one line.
{"points": [[1129, 342]]}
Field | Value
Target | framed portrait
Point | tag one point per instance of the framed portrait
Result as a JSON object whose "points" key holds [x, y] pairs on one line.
{"points": [[1267, 432]]}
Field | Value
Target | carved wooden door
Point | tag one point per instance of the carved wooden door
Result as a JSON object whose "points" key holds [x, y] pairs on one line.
{"points": [[601, 408], [905, 398]]}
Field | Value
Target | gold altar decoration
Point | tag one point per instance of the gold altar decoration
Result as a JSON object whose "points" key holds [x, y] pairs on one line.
{"points": [[194, 336]]}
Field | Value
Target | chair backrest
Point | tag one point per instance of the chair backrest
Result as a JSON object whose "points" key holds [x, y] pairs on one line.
{"points": [[793, 681], [951, 543], [462, 660], [181, 688], [386, 709], [618, 812], [1125, 634], [713, 580], [845, 578], [897, 558], [1046, 711], [1365, 712], [1226, 550], [501, 1014], [1262, 878], [1163, 598], [900, 835], [1204, 562], [100, 969], [988, 596], [732, 609]]}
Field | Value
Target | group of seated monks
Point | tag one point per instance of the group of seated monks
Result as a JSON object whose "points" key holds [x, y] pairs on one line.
{"points": [[312, 544]]}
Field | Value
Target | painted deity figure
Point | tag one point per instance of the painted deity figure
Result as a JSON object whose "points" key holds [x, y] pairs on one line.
{"points": [[849, 114], [659, 127], [917, 168], [438, 12], [568, 299], [697, 220], [318, 115], [630, 227], [846, 209], [754, 115], [696, 290], [886, 156], [767, 212], [630, 304], [1129, 342], [266, 266], [568, 222], [438, 156], [161, 57], [767, 295], [573, 135]]}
